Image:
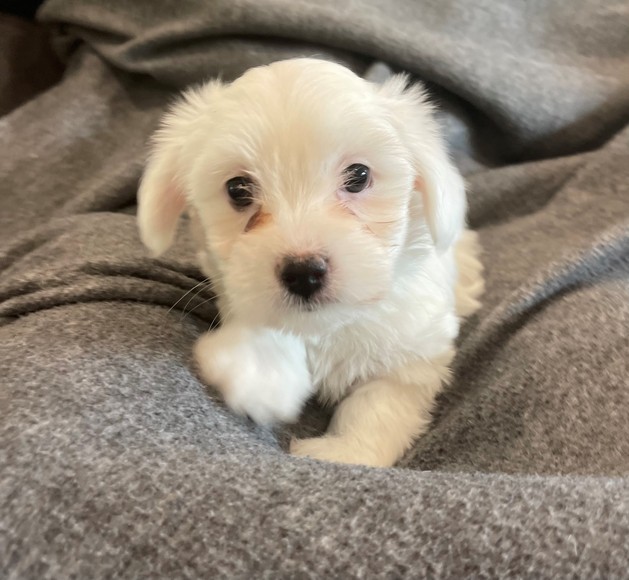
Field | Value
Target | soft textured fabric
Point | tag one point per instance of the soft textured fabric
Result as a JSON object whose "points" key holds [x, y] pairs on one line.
{"points": [[116, 461]]}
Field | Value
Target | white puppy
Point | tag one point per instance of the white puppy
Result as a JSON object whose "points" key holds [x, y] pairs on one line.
{"points": [[332, 225]]}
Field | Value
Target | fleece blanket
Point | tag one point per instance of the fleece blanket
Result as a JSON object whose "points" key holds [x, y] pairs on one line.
{"points": [[117, 462]]}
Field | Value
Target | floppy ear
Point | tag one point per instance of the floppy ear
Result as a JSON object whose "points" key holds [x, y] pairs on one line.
{"points": [[162, 192], [439, 182]]}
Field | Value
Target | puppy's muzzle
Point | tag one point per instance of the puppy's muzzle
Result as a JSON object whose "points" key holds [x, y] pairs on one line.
{"points": [[304, 277]]}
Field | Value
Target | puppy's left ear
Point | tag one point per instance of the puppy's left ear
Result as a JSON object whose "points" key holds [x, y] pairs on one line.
{"points": [[162, 192], [439, 182]]}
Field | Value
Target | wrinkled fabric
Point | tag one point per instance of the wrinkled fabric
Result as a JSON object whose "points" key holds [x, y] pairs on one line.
{"points": [[117, 461]]}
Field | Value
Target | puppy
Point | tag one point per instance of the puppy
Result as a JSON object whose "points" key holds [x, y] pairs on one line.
{"points": [[332, 224]]}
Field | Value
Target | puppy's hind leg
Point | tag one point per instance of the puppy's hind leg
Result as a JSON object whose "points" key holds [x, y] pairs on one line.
{"points": [[470, 285], [378, 422]]}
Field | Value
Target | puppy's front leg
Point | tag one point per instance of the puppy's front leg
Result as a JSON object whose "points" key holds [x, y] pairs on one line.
{"points": [[261, 372], [377, 423]]}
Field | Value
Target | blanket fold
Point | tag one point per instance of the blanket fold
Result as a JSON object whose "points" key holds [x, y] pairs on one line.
{"points": [[117, 461]]}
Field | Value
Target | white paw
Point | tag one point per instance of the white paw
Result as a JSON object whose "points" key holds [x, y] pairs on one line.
{"points": [[337, 449], [260, 372]]}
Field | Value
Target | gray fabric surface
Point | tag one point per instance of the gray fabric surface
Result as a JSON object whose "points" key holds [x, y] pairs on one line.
{"points": [[116, 461]]}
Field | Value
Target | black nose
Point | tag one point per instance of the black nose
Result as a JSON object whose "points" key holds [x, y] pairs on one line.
{"points": [[303, 277]]}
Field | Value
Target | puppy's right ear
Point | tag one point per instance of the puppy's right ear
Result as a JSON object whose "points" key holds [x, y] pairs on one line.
{"points": [[162, 192]]}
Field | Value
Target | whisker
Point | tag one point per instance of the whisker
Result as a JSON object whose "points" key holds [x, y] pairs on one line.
{"points": [[216, 316], [195, 295], [199, 305], [188, 292]]}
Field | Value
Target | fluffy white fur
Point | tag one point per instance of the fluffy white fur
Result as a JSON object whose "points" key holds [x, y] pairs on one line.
{"points": [[403, 268]]}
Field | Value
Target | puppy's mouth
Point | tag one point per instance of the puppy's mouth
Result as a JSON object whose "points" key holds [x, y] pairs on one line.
{"points": [[313, 304]]}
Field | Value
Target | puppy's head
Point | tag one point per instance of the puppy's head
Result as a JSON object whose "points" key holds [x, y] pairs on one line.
{"points": [[313, 189]]}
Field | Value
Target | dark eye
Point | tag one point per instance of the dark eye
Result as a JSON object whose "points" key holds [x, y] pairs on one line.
{"points": [[240, 191], [357, 177]]}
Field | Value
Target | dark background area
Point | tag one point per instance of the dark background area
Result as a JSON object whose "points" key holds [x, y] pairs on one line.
{"points": [[28, 63], [21, 8]]}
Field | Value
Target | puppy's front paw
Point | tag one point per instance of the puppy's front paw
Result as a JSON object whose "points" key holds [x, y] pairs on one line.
{"points": [[336, 449], [260, 372]]}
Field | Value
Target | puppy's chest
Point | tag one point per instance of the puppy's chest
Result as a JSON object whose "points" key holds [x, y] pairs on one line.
{"points": [[352, 357], [381, 344]]}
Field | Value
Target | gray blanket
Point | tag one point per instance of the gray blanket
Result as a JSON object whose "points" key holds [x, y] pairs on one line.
{"points": [[116, 461]]}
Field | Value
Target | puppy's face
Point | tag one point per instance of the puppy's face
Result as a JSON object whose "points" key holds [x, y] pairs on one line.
{"points": [[308, 186]]}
